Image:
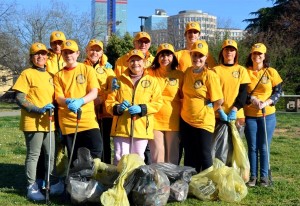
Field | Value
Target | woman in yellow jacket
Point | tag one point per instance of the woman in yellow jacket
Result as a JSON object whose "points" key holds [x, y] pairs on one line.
{"points": [[201, 87], [133, 106], [98, 60], [165, 145]]}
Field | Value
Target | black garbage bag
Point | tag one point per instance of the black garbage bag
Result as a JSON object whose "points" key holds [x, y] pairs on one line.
{"points": [[80, 186], [147, 186], [222, 148], [179, 177]]}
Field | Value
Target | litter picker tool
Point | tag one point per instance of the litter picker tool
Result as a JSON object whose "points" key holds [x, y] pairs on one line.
{"points": [[267, 146], [49, 157], [74, 140]]}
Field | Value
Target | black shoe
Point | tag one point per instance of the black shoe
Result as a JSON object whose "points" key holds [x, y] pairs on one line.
{"points": [[264, 182]]}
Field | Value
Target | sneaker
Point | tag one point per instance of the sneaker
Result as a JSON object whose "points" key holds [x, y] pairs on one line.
{"points": [[264, 181], [57, 189], [33, 193], [252, 182]]}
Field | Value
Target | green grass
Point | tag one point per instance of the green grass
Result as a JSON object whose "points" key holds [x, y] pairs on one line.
{"points": [[285, 166], [4, 106]]}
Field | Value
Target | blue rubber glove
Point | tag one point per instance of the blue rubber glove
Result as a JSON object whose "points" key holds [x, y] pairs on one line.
{"points": [[209, 104], [135, 109], [231, 115], [124, 105], [223, 115], [75, 105], [69, 100], [108, 65], [114, 84], [46, 107]]}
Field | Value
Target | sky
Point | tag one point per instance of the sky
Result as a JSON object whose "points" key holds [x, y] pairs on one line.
{"points": [[228, 12]]}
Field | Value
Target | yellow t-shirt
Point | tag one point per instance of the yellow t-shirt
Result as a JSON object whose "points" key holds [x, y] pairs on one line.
{"points": [[39, 90], [122, 64], [231, 77], [167, 118], [263, 91], [197, 89], [185, 61], [54, 63], [76, 83]]}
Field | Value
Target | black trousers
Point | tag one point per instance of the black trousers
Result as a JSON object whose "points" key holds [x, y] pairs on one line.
{"points": [[91, 139], [197, 145], [105, 128]]}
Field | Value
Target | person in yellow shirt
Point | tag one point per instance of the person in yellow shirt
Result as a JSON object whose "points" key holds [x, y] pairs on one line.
{"points": [[55, 61], [141, 41], [234, 79], [34, 94], [76, 87], [192, 34], [264, 92], [165, 145], [98, 60], [201, 88], [133, 107]]}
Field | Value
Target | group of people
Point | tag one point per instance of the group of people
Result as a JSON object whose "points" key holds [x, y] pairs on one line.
{"points": [[172, 101]]}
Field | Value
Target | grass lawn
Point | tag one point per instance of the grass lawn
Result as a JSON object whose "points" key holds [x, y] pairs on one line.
{"points": [[285, 166]]}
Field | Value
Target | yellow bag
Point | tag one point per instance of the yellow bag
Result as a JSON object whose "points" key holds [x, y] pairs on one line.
{"points": [[117, 196], [240, 159]]}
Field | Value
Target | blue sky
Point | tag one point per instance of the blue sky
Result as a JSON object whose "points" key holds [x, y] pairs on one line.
{"points": [[231, 12]]}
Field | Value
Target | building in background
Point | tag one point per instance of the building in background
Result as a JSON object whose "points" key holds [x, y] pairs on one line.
{"points": [[109, 17], [176, 26], [229, 33]]}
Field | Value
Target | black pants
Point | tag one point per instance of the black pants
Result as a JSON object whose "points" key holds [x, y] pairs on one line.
{"points": [[197, 145], [105, 128], [91, 139]]}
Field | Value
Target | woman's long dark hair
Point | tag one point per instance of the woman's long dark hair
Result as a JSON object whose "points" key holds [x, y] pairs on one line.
{"points": [[155, 64], [249, 62]]}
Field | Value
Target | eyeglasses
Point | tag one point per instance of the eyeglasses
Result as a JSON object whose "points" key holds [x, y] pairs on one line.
{"points": [[40, 53], [143, 41]]}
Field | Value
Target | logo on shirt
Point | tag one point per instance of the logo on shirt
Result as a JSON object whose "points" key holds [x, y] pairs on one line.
{"points": [[236, 74], [100, 70], [264, 80], [146, 83], [80, 79], [198, 84], [172, 81]]}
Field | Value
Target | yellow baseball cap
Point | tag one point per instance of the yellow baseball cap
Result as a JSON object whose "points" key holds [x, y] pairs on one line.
{"points": [[200, 46], [229, 42], [135, 52], [192, 26], [70, 44], [57, 36], [36, 47], [141, 35], [94, 42], [259, 47], [165, 46]]}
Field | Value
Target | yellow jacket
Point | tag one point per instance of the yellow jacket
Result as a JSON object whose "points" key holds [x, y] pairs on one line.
{"points": [[147, 94], [104, 76], [121, 64]]}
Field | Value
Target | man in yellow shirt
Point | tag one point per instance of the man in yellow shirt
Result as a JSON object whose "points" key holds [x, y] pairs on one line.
{"points": [[141, 41]]}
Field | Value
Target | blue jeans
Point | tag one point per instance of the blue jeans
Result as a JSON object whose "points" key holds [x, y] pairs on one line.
{"points": [[256, 140]]}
